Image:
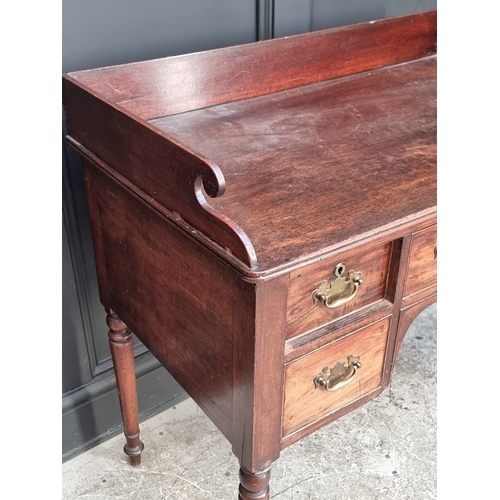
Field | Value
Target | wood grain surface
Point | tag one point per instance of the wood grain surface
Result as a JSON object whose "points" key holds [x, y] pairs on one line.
{"points": [[165, 171], [422, 266], [303, 315], [258, 374], [304, 403], [310, 168], [333, 159], [122, 352], [167, 289], [341, 120], [172, 85]]}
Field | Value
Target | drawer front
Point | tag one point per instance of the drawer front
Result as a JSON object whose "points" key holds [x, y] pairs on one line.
{"points": [[304, 403], [422, 262], [303, 315]]}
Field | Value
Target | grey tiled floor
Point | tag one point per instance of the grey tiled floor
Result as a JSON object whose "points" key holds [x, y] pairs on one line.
{"points": [[383, 450]]}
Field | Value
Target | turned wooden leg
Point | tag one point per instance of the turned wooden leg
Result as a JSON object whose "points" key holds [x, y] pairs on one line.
{"points": [[122, 353], [254, 486]]}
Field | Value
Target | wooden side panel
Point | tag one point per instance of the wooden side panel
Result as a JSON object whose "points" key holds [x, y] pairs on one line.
{"points": [[177, 84], [167, 289]]}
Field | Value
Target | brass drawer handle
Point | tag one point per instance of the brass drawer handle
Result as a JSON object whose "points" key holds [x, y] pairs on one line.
{"points": [[340, 291], [339, 375]]}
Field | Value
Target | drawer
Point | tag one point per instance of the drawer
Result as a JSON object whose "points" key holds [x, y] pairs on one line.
{"points": [[304, 403], [422, 261], [303, 315]]}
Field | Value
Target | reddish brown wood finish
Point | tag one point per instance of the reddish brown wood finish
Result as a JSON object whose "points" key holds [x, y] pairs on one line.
{"points": [[166, 172], [173, 302], [315, 339], [313, 150], [305, 404], [179, 84], [122, 352], [422, 267], [303, 315], [348, 138], [258, 375], [363, 148], [226, 351], [425, 292], [254, 486]]}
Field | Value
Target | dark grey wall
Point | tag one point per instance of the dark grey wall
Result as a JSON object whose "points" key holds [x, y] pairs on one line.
{"points": [[106, 32], [298, 16]]}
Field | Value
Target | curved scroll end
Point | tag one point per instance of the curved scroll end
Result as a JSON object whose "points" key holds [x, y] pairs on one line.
{"points": [[251, 259], [223, 230], [212, 179], [154, 165]]}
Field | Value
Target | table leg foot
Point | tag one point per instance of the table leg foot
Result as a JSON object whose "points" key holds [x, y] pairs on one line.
{"points": [[254, 486], [122, 353]]}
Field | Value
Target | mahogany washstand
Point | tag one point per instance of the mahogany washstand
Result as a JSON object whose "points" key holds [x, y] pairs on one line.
{"points": [[264, 220]]}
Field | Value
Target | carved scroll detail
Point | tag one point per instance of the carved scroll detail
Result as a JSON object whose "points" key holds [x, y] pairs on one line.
{"points": [[161, 169]]}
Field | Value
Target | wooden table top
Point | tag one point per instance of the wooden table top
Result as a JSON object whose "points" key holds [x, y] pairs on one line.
{"points": [[313, 167], [304, 144]]}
